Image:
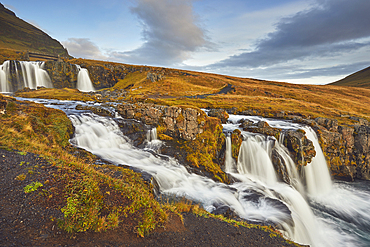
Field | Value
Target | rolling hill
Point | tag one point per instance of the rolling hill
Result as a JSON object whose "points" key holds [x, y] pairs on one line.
{"points": [[357, 79]]}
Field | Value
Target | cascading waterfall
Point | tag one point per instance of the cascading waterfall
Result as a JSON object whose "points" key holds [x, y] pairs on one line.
{"points": [[5, 86], [84, 83], [294, 177], [230, 165], [152, 141], [24, 74], [338, 218], [316, 173], [151, 135], [255, 160]]}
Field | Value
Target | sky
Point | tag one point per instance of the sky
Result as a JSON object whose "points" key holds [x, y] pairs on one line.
{"points": [[295, 41]]}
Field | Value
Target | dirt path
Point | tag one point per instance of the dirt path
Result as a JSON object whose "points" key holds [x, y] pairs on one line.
{"points": [[26, 221], [225, 90]]}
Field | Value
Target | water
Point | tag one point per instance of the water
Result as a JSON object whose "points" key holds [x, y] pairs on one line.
{"points": [[27, 74], [84, 83], [327, 215], [152, 141]]}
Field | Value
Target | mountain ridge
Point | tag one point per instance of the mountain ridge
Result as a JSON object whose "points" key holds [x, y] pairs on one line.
{"points": [[20, 35], [358, 79]]}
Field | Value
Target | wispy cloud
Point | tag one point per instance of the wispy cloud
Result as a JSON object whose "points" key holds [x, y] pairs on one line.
{"points": [[84, 48], [170, 30]]}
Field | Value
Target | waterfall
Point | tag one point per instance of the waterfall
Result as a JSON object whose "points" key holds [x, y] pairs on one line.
{"points": [[151, 135], [230, 165], [16, 75], [316, 173], [254, 159], [5, 86], [295, 179], [338, 218], [84, 83], [152, 141]]}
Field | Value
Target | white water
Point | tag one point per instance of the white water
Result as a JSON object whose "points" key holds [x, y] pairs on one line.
{"points": [[152, 141], [4, 72], [230, 165], [30, 74], [84, 83], [337, 218], [316, 173], [254, 159]]}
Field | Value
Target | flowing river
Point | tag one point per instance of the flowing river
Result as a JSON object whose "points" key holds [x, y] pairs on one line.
{"points": [[312, 210]]}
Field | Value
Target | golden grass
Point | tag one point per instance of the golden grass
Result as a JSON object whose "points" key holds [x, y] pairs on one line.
{"points": [[54, 93]]}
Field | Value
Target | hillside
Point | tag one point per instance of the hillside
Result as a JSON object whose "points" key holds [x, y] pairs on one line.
{"points": [[357, 79], [19, 35], [180, 87]]}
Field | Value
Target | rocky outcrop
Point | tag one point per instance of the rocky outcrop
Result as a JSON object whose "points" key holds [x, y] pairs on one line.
{"points": [[177, 122], [62, 74], [189, 135], [346, 148], [261, 127], [106, 75], [301, 149], [99, 110], [154, 76], [219, 113]]}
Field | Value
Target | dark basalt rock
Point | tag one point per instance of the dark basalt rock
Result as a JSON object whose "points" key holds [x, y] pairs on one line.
{"points": [[98, 110], [219, 113], [301, 149], [280, 166], [134, 130], [346, 148], [225, 211]]}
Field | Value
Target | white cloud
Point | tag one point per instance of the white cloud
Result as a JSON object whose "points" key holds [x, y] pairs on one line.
{"points": [[170, 30], [83, 48]]}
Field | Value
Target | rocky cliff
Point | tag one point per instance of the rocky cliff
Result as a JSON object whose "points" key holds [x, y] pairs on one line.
{"points": [[192, 137], [346, 148]]}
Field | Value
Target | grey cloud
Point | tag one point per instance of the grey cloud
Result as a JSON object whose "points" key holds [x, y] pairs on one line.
{"points": [[330, 28], [84, 48], [344, 69], [171, 32]]}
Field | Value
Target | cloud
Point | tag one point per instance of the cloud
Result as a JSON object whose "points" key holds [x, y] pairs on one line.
{"points": [[171, 32], [84, 48], [329, 28], [341, 70]]}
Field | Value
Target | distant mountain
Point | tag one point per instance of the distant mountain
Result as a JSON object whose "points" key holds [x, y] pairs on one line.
{"points": [[358, 79], [19, 35]]}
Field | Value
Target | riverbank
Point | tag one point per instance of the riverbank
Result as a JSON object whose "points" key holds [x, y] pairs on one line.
{"points": [[29, 219]]}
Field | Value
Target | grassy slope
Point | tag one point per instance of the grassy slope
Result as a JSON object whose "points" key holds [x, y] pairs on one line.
{"points": [[358, 79], [19, 35], [266, 96]]}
